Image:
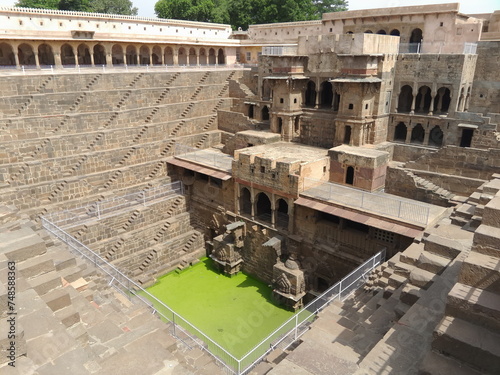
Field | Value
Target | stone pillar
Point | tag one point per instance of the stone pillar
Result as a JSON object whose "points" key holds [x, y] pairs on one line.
{"points": [[57, 59], [412, 109], [440, 103], [273, 211], [252, 201], [92, 63], [426, 137], [16, 57], [316, 104], [197, 58], [77, 63], [290, 217], [37, 59], [124, 56], [431, 107], [237, 193], [137, 58], [162, 57], [466, 103], [176, 56], [408, 134], [109, 59]]}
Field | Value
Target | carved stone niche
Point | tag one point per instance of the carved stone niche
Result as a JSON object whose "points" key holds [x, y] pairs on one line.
{"points": [[227, 246], [289, 283]]}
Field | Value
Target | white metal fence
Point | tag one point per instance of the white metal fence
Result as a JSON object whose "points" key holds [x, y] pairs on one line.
{"points": [[438, 48], [109, 207], [188, 333], [380, 203], [61, 69], [279, 50]]}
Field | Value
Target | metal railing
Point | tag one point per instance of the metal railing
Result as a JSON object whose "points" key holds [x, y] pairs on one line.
{"points": [[59, 69], [105, 208], [438, 48], [279, 50], [203, 156], [189, 334], [381, 203], [180, 327]]}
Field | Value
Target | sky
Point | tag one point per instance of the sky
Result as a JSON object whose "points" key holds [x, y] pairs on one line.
{"points": [[146, 7]]}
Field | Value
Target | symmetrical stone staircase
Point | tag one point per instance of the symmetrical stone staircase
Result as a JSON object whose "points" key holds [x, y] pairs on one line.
{"points": [[69, 321]]}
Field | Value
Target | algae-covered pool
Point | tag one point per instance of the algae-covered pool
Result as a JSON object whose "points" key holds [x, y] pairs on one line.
{"points": [[235, 312]]}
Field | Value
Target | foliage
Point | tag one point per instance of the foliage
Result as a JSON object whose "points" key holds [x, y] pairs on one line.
{"points": [[41, 4], [242, 13], [95, 6], [114, 7]]}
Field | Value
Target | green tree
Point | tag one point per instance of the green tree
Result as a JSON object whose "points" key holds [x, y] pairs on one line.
{"points": [[193, 10], [329, 6], [114, 7], [75, 5], [39, 4]]}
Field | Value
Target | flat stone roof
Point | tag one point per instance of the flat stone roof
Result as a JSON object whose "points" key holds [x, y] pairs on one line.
{"points": [[360, 151], [286, 152], [259, 134]]}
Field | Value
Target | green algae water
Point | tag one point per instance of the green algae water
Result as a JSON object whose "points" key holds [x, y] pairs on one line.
{"points": [[236, 312]]}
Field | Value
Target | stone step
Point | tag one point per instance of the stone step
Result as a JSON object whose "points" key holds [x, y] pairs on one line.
{"points": [[396, 280], [62, 257], [42, 284], [476, 305], [411, 254], [481, 271], [437, 364], [465, 211], [432, 262], [403, 269], [35, 266], [470, 343], [57, 299], [448, 240], [68, 316], [487, 240], [411, 294], [21, 244], [422, 278]]}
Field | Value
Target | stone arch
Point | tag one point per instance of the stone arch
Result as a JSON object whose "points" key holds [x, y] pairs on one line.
{"points": [[263, 207], [436, 136], [382, 32], [26, 54], [423, 99], [349, 175], [282, 217], [265, 113], [144, 56], [212, 59], [117, 55], [326, 90], [192, 57], [400, 132], [67, 55], [310, 94], [169, 56], [347, 134], [99, 55], [45, 55], [245, 202], [7, 55], [83, 53], [221, 58], [156, 55], [395, 32], [416, 36], [368, 32], [349, 32], [182, 56], [131, 55], [443, 100], [405, 99], [203, 56], [417, 134]]}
